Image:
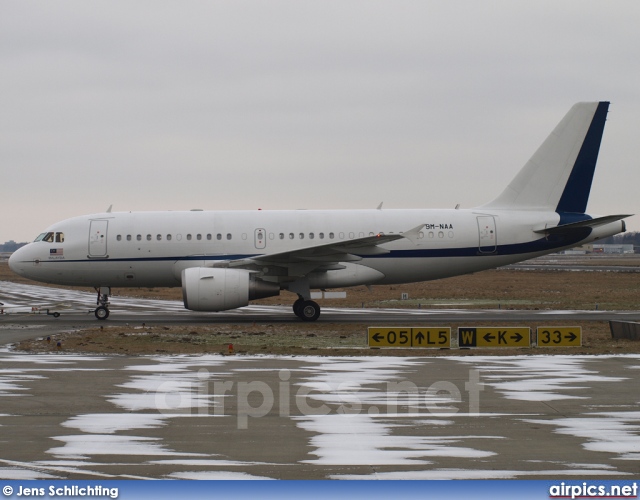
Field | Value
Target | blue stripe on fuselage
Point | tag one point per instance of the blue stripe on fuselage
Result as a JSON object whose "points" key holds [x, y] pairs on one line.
{"points": [[547, 244]]}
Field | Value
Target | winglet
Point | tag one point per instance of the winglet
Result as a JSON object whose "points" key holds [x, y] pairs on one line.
{"points": [[413, 234]]}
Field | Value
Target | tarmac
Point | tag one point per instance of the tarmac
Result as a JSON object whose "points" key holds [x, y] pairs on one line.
{"points": [[77, 417], [72, 416]]}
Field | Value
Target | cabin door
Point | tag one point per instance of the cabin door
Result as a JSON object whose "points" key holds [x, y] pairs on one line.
{"points": [[98, 238], [488, 241]]}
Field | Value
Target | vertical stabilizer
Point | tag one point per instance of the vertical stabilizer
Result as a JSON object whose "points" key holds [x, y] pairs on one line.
{"points": [[558, 176]]}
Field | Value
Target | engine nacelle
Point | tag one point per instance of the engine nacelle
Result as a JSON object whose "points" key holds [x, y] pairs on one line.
{"points": [[220, 289]]}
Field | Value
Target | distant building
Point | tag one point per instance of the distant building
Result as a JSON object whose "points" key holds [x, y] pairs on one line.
{"points": [[10, 246], [575, 251], [612, 248], [601, 248]]}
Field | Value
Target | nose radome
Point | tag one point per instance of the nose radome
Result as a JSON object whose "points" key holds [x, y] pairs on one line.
{"points": [[12, 261], [15, 261]]}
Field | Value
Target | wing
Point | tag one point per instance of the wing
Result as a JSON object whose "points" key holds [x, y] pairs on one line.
{"points": [[323, 257]]}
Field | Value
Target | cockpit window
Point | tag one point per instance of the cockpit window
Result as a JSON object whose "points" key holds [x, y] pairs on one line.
{"points": [[51, 237]]}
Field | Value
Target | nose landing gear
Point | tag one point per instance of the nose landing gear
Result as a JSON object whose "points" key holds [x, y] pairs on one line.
{"points": [[102, 311]]}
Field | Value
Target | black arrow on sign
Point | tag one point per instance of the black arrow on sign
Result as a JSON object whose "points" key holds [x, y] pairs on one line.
{"points": [[572, 336], [517, 337], [377, 337], [488, 337], [419, 337]]}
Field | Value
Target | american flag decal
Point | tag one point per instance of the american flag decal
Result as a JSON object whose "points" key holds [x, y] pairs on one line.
{"points": [[55, 251]]}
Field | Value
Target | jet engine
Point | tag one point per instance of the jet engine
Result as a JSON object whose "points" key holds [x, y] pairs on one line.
{"points": [[220, 289]]}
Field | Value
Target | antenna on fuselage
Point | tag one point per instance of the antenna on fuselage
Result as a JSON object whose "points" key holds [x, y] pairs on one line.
{"points": [[109, 209], [380, 206]]}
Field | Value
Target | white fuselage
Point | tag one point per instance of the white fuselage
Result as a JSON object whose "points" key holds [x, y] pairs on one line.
{"points": [[149, 249]]}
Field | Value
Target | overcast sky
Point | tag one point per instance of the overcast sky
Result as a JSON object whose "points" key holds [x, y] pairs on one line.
{"points": [[162, 105]]}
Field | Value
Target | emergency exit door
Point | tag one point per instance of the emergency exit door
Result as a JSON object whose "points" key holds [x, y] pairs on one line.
{"points": [[260, 238]]}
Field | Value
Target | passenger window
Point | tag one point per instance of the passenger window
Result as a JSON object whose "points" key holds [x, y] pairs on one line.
{"points": [[352, 235], [159, 237], [198, 237], [228, 236], [208, 236], [119, 238], [302, 236], [218, 236], [168, 237], [188, 237], [139, 237], [281, 236], [290, 236], [321, 235], [148, 237], [59, 237], [128, 237], [331, 236], [311, 236]]}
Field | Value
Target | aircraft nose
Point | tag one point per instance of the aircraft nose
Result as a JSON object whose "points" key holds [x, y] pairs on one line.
{"points": [[17, 261]]}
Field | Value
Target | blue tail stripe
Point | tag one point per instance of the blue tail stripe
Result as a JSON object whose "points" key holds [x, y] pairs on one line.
{"points": [[576, 192]]}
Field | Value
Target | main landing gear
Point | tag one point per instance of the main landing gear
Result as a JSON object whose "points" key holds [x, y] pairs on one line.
{"points": [[306, 310], [102, 311]]}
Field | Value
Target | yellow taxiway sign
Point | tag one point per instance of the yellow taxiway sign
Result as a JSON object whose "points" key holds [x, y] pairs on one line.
{"points": [[494, 337], [415, 337], [559, 336]]}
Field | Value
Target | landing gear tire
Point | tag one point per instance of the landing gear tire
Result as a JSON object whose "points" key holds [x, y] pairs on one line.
{"points": [[101, 313], [309, 311], [297, 308]]}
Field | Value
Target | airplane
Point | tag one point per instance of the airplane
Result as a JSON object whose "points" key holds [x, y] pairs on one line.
{"points": [[224, 259]]}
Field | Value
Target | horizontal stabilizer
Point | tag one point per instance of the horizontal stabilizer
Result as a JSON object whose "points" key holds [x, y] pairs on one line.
{"points": [[600, 221]]}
